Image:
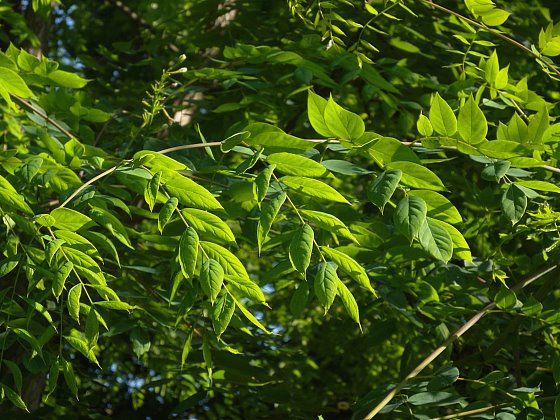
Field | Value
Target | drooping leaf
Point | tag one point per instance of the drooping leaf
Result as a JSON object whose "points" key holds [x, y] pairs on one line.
{"points": [[410, 215], [349, 265], [269, 212], [186, 347], [211, 278], [228, 261], [326, 284], [166, 212], [328, 222], [222, 312], [73, 302], [436, 240], [141, 342], [424, 126], [381, 190], [514, 203], [439, 207], [112, 224], [209, 225], [301, 248], [349, 302], [262, 181], [60, 277], [188, 252], [151, 190], [246, 288]]}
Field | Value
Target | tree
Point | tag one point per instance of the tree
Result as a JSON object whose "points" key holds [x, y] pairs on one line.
{"points": [[270, 209]]}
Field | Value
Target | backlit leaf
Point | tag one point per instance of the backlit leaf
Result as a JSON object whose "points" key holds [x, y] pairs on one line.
{"points": [[208, 225], [348, 265], [151, 190], [291, 164], [342, 123], [222, 312], [409, 216], [442, 117], [188, 252], [166, 212], [381, 190], [301, 248], [326, 284], [269, 212], [313, 188], [349, 302], [417, 176], [472, 124]]}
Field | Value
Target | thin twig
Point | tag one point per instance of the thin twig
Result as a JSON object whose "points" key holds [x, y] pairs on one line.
{"points": [[458, 333], [91, 181], [44, 116], [494, 32]]}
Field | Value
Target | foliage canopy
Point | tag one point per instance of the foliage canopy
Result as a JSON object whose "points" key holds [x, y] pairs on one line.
{"points": [[339, 208]]}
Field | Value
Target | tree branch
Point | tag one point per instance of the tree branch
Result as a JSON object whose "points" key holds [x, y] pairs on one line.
{"points": [[458, 333]]}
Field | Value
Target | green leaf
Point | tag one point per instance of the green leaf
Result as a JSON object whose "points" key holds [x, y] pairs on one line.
{"points": [[442, 117], [503, 149], [461, 249], [329, 222], [60, 277], [539, 186], [316, 112], [13, 84], [151, 190], [387, 149], [291, 164], [234, 140], [249, 315], [436, 240], [188, 252], [313, 188], [472, 125], [349, 265], [211, 278], [54, 371], [514, 203], [222, 312], [13, 396], [299, 299], [92, 328], [349, 302], [417, 176], [342, 123], [246, 288], [30, 168], [505, 298], [66, 79], [186, 347], [326, 284], [496, 170], [301, 248], [166, 212], [69, 219], [495, 17], [13, 200], [45, 220], [8, 264], [269, 212], [269, 136], [158, 162], [492, 68], [380, 191], [229, 262], [73, 302], [69, 377], [30, 339], [140, 342], [409, 216], [344, 167], [16, 373], [424, 126], [262, 181], [209, 225], [112, 224], [438, 206], [538, 124], [189, 193]]}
